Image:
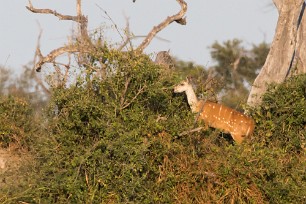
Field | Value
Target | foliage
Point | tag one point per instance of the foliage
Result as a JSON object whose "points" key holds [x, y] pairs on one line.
{"points": [[284, 111], [237, 68], [117, 140], [106, 137], [189, 69], [24, 86], [281, 132], [15, 121], [18, 106]]}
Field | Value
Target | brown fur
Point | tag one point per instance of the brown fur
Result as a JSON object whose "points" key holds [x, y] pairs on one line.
{"points": [[226, 119], [216, 115]]}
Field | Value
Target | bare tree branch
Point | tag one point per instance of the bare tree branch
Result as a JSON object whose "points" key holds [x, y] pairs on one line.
{"points": [[54, 54], [38, 54], [127, 34], [179, 18], [83, 21], [84, 44], [128, 40], [49, 11]]}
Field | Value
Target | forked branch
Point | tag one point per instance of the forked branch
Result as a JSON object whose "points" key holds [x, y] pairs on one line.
{"points": [[83, 46], [38, 54], [53, 12], [54, 54], [179, 18]]}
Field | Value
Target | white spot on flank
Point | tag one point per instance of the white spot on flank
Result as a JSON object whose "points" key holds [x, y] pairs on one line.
{"points": [[248, 131]]}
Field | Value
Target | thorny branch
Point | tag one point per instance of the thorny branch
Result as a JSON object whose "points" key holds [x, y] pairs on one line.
{"points": [[179, 18]]}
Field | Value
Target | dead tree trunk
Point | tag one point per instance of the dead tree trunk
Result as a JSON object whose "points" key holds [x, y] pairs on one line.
{"points": [[287, 55]]}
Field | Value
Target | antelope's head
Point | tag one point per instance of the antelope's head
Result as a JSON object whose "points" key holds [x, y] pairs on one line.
{"points": [[183, 86]]}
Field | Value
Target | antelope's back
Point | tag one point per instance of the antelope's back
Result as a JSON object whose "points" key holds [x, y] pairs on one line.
{"points": [[225, 118]]}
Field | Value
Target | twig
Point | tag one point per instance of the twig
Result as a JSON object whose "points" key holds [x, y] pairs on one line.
{"points": [[177, 18], [126, 85], [38, 54], [191, 131], [110, 18], [128, 35], [85, 156], [133, 99], [128, 40]]}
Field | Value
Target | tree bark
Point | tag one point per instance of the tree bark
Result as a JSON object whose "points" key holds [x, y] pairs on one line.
{"points": [[288, 43]]}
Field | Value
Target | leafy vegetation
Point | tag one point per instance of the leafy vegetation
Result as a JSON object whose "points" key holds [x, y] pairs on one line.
{"points": [[117, 140], [284, 113], [237, 68], [15, 126]]}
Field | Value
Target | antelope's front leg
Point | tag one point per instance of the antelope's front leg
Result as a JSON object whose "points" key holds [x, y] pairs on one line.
{"points": [[238, 138]]}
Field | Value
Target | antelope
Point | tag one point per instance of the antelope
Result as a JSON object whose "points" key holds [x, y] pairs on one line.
{"points": [[216, 115]]}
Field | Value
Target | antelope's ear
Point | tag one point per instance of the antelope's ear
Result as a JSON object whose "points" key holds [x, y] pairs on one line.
{"points": [[187, 79]]}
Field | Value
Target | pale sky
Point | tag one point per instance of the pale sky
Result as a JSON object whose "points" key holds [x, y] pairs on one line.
{"points": [[252, 21]]}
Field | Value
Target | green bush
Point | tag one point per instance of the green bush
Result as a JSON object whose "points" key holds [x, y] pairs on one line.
{"points": [[117, 140], [107, 137], [17, 130], [281, 119], [16, 121]]}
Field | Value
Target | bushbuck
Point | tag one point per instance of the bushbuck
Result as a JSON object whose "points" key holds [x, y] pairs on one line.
{"points": [[216, 115]]}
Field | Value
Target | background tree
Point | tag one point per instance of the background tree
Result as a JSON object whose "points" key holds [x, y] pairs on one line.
{"points": [[287, 55], [26, 86], [236, 68], [4, 78]]}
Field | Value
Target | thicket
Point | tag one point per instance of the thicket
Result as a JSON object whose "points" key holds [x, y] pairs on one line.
{"points": [[117, 140], [15, 126]]}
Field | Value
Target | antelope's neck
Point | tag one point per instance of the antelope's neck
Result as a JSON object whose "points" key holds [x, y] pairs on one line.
{"points": [[192, 100]]}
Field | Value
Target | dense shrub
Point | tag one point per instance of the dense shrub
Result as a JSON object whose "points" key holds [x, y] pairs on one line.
{"points": [[282, 116], [16, 121], [17, 128], [117, 140], [108, 138]]}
